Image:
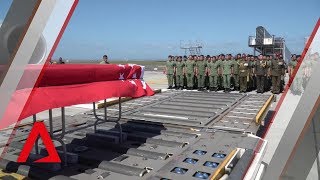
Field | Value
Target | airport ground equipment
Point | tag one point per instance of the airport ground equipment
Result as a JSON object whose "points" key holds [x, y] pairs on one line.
{"points": [[171, 135], [265, 43]]}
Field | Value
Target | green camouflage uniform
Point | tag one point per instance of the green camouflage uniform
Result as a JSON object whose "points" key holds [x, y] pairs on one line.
{"points": [[220, 78], [296, 86], [261, 72], [269, 79], [201, 66], [244, 70], [179, 73], [276, 67], [227, 66], [236, 73], [190, 72], [170, 72], [252, 79], [213, 67]]}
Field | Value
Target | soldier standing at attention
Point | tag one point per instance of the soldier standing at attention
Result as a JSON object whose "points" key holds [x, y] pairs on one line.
{"points": [[269, 80], [277, 66], [175, 60], [213, 72], [201, 72], [227, 72], [283, 73], [207, 79], [296, 86], [104, 60], [220, 80], [185, 58], [180, 73], [190, 71], [247, 58], [252, 85], [235, 62], [195, 78], [170, 71], [244, 68], [260, 73], [292, 65]]}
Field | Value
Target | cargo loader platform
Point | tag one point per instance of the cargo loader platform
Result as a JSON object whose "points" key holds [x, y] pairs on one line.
{"points": [[171, 135]]}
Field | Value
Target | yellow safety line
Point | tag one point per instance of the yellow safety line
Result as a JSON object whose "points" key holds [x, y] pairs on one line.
{"points": [[12, 176], [221, 168], [263, 110]]}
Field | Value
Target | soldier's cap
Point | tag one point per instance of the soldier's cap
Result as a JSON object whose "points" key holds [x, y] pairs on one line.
{"points": [[222, 55], [105, 56], [185, 56]]}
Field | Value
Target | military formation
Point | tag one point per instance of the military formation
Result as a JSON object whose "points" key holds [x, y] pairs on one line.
{"points": [[241, 73], [302, 76]]}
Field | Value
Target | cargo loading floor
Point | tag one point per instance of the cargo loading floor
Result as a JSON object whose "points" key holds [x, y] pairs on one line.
{"points": [[172, 135]]}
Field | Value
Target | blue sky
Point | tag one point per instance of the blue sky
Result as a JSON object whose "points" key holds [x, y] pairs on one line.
{"points": [[152, 29]]}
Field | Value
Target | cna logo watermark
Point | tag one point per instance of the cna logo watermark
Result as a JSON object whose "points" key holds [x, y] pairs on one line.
{"points": [[39, 130]]}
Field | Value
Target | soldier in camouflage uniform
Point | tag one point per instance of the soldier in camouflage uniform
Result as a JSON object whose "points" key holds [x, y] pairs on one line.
{"points": [[227, 67], [206, 82], [180, 73], [244, 69], [283, 73], [268, 79], [201, 72], [296, 86], [220, 79], [252, 79], [170, 71], [292, 65], [260, 71], [213, 71], [190, 71], [175, 59], [185, 58], [235, 62], [195, 78], [276, 67]]}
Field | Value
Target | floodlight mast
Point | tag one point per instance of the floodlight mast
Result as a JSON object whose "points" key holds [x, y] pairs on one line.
{"points": [[191, 48]]}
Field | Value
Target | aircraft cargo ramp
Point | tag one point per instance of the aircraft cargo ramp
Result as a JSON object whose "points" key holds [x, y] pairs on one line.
{"points": [[171, 135]]}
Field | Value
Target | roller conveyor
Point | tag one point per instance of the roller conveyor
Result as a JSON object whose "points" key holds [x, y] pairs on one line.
{"points": [[200, 145]]}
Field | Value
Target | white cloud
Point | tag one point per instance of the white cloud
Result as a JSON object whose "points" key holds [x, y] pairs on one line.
{"points": [[1, 22]]}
